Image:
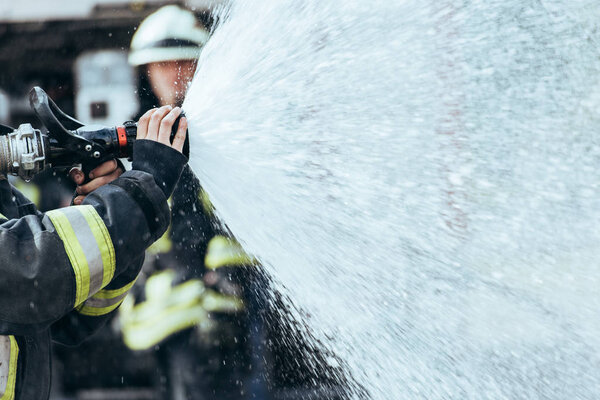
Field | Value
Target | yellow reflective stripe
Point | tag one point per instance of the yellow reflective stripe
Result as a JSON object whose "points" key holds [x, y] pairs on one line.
{"points": [[216, 302], [188, 293], [104, 301], [111, 294], [183, 307], [207, 205], [8, 382], [152, 331], [98, 311], [2, 216], [29, 190], [103, 240], [12, 376], [158, 286], [223, 251], [75, 254], [88, 246], [148, 323]]}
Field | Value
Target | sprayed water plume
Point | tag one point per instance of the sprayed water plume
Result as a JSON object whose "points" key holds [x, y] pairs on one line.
{"points": [[421, 179]]}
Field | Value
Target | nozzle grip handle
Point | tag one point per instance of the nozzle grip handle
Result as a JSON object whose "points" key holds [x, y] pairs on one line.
{"points": [[128, 132]]}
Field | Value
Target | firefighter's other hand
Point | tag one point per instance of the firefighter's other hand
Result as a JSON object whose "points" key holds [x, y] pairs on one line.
{"points": [[156, 125], [101, 175]]}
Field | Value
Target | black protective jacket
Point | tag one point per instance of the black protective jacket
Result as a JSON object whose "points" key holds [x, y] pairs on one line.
{"points": [[63, 273]]}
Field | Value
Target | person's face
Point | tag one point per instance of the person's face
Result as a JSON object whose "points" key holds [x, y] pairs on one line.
{"points": [[170, 80]]}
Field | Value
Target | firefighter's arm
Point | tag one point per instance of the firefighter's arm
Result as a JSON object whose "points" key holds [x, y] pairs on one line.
{"points": [[52, 263], [95, 311], [93, 314]]}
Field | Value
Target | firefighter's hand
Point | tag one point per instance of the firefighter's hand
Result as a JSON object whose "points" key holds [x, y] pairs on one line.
{"points": [[156, 125], [101, 175]]}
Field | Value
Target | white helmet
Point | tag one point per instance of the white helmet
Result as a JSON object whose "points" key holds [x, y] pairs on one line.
{"points": [[169, 34]]}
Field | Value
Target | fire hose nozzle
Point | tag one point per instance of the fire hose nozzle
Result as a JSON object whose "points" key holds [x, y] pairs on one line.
{"points": [[26, 151]]}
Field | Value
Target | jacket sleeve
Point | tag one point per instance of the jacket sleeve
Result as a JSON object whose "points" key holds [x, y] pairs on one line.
{"points": [[95, 312], [53, 263]]}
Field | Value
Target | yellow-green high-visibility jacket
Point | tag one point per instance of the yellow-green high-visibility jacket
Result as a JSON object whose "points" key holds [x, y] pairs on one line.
{"points": [[63, 273]]}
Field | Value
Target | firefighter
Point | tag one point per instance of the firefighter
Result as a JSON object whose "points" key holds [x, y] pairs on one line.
{"points": [[63, 273], [167, 45]]}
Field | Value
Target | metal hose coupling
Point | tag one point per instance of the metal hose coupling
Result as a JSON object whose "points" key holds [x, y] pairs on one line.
{"points": [[22, 152]]}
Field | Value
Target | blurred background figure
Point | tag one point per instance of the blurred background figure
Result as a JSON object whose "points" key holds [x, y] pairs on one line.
{"points": [[167, 46]]}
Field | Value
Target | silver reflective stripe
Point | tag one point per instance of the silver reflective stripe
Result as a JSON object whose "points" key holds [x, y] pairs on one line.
{"points": [[89, 245], [103, 303], [9, 354], [4, 364]]}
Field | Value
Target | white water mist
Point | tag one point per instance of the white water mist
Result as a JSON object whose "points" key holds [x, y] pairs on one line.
{"points": [[421, 178]]}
